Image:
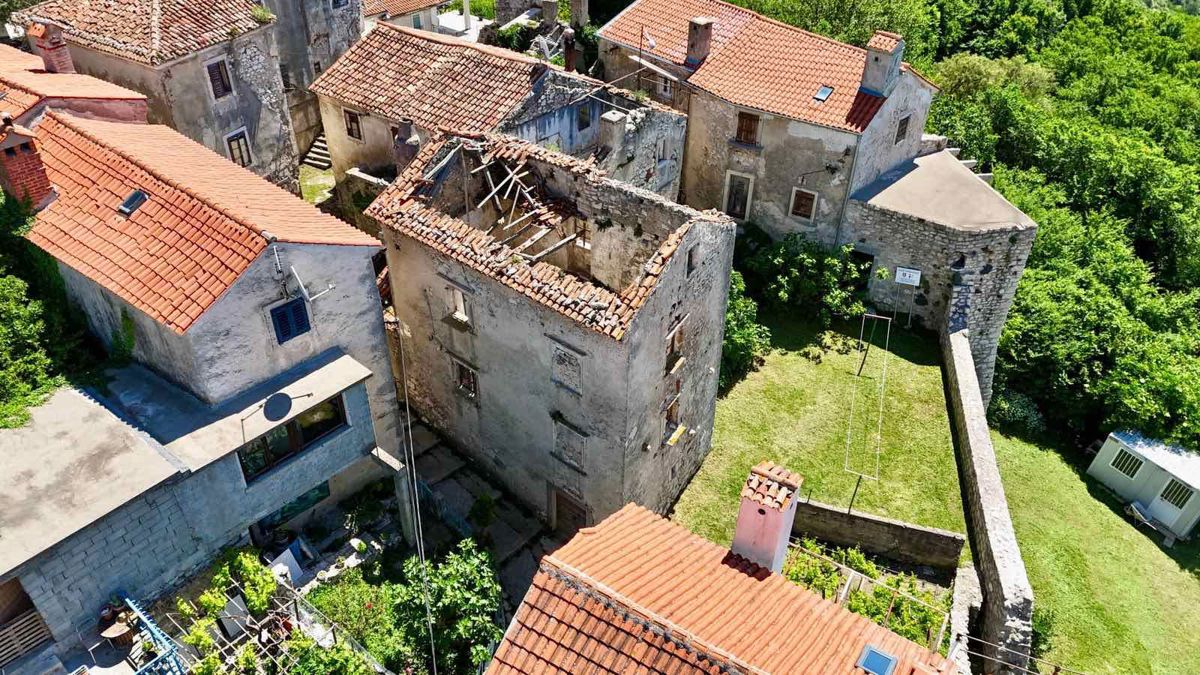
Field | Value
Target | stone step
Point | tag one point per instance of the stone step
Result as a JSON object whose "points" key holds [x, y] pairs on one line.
{"points": [[318, 164], [438, 464], [319, 155], [423, 439]]}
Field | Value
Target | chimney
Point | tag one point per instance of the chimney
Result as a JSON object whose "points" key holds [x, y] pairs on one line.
{"points": [[22, 173], [764, 522], [569, 55], [49, 43], [884, 53], [699, 40]]}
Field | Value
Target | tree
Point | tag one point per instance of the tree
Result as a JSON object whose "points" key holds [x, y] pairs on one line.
{"points": [[746, 341]]}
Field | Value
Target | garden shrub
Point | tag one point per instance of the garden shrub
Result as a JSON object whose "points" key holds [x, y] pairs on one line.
{"points": [[796, 272], [746, 341], [311, 659]]}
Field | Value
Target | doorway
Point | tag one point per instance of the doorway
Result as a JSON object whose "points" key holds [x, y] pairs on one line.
{"points": [[739, 189], [569, 515], [1168, 505]]}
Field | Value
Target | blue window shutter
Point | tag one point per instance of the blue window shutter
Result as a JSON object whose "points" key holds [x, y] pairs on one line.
{"points": [[290, 319]]}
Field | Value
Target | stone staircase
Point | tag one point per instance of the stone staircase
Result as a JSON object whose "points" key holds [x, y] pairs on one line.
{"points": [[318, 154]]}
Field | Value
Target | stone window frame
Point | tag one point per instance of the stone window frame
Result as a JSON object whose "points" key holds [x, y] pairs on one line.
{"points": [[903, 126], [457, 368], [749, 194], [665, 88], [346, 113], [792, 203], [580, 355], [228, 71], [557, 423], [758, 124], [249, 146]]}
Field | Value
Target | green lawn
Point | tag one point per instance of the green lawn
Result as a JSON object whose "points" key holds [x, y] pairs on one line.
{"points": [[315, 185], [795, 411], [1121, 604]]}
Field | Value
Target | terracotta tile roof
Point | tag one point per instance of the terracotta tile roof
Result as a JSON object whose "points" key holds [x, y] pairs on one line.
{"points": [[14, 100], [756, 62], [12, 58], [204, 222], [437, 81], [24, 89], [884, 40], [396, 7], [638, 593], [401, 209], [146, 31], [772, 485]]}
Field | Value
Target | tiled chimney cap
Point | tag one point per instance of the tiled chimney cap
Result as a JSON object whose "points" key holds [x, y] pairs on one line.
{"points": [[771, 485], [884, 41]]}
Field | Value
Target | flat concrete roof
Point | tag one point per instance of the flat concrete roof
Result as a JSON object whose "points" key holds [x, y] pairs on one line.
{"points": [[74, 462], [1175, 460], [81, 456], [199, 434], [939, 189]]}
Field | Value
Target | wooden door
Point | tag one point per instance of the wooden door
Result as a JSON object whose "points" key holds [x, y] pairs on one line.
{"points": [[569, 514]]}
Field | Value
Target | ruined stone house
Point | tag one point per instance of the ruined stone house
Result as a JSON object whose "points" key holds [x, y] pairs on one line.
{"points": [[229, 74], [398, 87], [259, 386], [799, 133], [561, 327]]}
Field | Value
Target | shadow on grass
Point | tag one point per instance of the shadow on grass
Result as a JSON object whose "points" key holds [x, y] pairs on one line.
{"points": [[791, 331]]}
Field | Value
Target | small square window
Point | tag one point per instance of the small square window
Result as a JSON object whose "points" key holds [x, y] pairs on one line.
{"points": [[466, 380], [290, 320], [132, 202], [353, 124], [583, 116], [823, 93], [747, 128], [876, 662], [804, 203], [902, 129], [239, 148], [316, 67], [218, 79]]}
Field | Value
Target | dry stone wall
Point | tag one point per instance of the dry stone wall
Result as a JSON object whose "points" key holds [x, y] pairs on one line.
{"points": [[894, 539]]}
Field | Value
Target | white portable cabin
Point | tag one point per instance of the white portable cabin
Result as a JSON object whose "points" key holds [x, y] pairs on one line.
{"points": [[1160, 479]]}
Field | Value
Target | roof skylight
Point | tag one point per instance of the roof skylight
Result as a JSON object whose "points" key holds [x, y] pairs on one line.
{"points": [[824, 92], [132, 202], [876, 662]]}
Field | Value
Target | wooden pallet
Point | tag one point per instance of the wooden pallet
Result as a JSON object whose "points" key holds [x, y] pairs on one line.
{"points": [[19, 636]]}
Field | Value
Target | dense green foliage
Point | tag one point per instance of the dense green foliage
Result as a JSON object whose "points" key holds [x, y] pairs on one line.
{"points": [[484, 9], [746, 340], [912, 612], [389, 617], [796, 272], [311, 659]]}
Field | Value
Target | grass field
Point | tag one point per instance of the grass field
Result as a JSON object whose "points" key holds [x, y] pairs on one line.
{"points": [[315, 185], [1120, 603], [795, 411]]}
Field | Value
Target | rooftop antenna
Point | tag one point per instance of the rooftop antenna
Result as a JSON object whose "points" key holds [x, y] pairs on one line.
{"points": [[304, 290], [865, 350]]}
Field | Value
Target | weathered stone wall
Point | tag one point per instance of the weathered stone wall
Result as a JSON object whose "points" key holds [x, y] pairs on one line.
{"points": [[878, 150], [894, 539], [987, 261], [789, 155], [507, 10], [372, 153], [1007, 612]]}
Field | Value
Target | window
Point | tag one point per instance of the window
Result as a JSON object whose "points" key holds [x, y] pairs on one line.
{"points": [[876, 662], [672, 429], [353, 124], [902, 129], [661, 152], [1126, 462], [316, 67], [466, 379], [674, 347], [747, 128], [804, 203], [338, 4], [458, 306], [823, 93], [1176, 494], [569, 443], [738, 188], [692, 259], [286, 76], [567, 370], [272, 448], [290, 320], [416, 20], [218, 79], [132, 202], [239, 148], [583, 117], [666, 88]]}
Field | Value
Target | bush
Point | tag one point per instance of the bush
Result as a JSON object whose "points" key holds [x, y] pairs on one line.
{"points": [[746, 341], [368, 613], [517, 37], [484, 9], [796, 272], [312, 659], [1013, 411]]}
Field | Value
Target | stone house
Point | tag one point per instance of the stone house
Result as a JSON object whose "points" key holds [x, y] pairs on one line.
{"points": [[229, 74], [398, 87], [794, 132], [260, 385], [561, 327], [416, 14]]}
